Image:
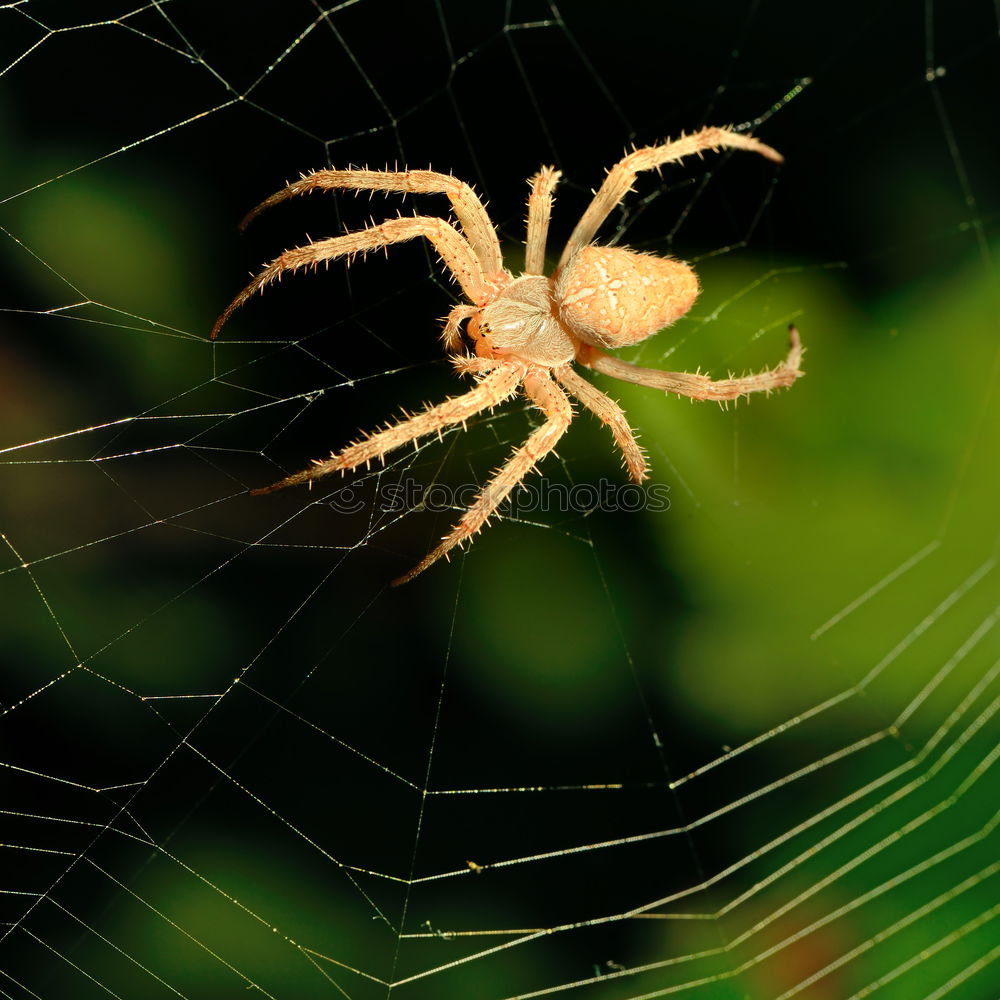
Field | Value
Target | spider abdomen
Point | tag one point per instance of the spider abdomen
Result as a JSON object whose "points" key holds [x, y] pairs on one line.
{"points": [[610, 297]]}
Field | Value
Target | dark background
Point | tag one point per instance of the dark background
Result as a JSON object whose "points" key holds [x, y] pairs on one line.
{"points": [[230, 743]]}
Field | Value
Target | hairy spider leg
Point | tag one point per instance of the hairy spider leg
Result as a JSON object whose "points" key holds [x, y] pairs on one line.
{"points": [[539, 213], [468, 208], [552, 401], [700, 386], [496, 385], [608, 412], [454, 249], [619, 180]]}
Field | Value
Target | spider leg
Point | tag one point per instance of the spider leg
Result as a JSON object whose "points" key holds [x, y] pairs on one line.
{"points": [[539, 213], [609, 412], [448, 241], [701, 386], [553, 402], [496, 386], [468, 208], [619, 180]]}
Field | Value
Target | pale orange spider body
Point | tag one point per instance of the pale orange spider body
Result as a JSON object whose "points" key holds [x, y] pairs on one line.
{"points": [[528, 331], [612, 298]]}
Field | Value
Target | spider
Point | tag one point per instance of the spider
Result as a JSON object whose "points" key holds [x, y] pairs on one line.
{"points": [[527, 331]]}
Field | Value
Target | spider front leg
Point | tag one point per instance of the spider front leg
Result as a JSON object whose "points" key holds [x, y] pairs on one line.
{"points": [[700, 386], [549, 398], [496, 386], [469, 209], [454, 249]]}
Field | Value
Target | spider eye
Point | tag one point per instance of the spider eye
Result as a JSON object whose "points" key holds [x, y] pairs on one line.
{"points": [[611, 297]]}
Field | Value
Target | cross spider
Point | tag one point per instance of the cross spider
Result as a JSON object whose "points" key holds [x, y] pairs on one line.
{"points": [[527, 331]]}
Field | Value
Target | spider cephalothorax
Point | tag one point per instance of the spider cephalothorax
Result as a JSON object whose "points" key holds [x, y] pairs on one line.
{"points": [[528, 331]]}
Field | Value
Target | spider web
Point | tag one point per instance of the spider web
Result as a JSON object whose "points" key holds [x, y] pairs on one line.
{"points": [[741, 747]]}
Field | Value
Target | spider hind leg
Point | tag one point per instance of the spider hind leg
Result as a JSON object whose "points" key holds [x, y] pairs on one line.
{"points": [[701, 386]]}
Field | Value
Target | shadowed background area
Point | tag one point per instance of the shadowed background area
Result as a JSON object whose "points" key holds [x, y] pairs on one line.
{"points": [[732, 737]]}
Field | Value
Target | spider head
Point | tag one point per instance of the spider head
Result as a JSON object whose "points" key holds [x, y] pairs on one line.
{"points": [[520, 322], [611, 297]]}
